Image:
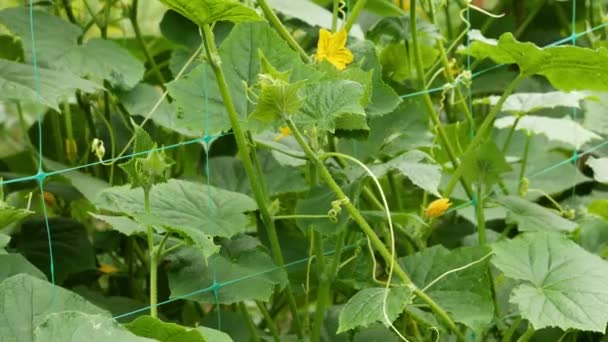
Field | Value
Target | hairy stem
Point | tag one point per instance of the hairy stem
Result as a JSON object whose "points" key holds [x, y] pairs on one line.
{"points": [[354, 14], [153, 260], [244, 152]]}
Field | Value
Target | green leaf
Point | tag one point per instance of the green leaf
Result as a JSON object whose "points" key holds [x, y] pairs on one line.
{"points": [[599, 167], [228, 173], [326, 101], [240, 60], [530, 216], [521, 103], [10, 215], [464, 294], [183, 205], [122, 224], [13, 264], [600, 208], [17, 82], [244, 270], [73, 326], [141, 100], [215, 335], [485, 164], [147, 326], [562, 285], [366, 307], [203, 12], [563, 130], [561, 65], [54, 36], [4, 241], [418, 166], [27, 300], [101, 59], [594, 235], [72, 249]]}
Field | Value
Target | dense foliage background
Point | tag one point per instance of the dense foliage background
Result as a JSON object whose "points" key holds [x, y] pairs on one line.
{"points": [[287, 170]]}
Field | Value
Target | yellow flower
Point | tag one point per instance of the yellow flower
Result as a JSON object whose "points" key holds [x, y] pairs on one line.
{"points": [[284, 133], [107, 269], [405, 6], [332, 47], [438, 207]]}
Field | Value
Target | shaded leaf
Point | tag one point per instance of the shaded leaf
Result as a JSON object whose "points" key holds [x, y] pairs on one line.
{"points": [[10, 215], [14, 263], [464, 294], [562, 285], [17, 82], [27, 300], [122, 224], [418, 166], [366, 307], [530, 216], [485, 164], [73, 326]]}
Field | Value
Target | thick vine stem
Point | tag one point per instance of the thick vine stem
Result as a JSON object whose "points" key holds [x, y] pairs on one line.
{"points": [[427, 98], [153, 260], [245, 156], [354, 14], [276, 23], [368, 230]]}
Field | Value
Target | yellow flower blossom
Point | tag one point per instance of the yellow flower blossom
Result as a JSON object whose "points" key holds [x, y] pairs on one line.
{"points": [[438, 207], [107, 269], [284, 132], [332, 47], [405, 5]]}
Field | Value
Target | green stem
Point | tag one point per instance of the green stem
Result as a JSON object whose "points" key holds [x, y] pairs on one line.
{"points": [[68, 11], [274, 330], [367, 229], [531, 15], [56, 127], [153, 260], [481, 221], [507, 143], [253, 331], [324, 292], [144, 47], [392, 181], [26, 137], [490, 20], [461, 100], [334, 15], [527, 335], [245, 156], [524, 160], [427, 98], [482, 131], [354, 14], [280, 28]]}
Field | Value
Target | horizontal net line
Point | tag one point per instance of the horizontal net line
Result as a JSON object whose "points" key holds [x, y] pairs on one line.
{"points": [[41, 175], [217, 286]]}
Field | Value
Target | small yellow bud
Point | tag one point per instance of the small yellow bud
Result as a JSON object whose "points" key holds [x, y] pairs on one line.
{"points": [[438, 207], [284, 132], [107, 269], [71, 149], [98, 148]]}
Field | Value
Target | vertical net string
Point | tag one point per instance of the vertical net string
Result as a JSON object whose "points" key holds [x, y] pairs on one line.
{"points": [[41, 175]]}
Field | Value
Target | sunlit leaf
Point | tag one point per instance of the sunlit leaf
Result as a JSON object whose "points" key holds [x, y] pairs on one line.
{"points": [[203, 12], [600, 168], [530, 102], [147, 326], [561, 284]]}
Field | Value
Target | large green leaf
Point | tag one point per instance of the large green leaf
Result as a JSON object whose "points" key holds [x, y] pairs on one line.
{"points": [[530, 216], [244, 271], [122, 224], [14, 263], [530, 102], [241, 63], [566, 67], [464, 294], [183, 205], [54, 36], [27, 300], [203, 12], [151, 327], [563, 130], [100, 59], [562, 285], [74, 326], [418, 166], [18, 83], [215, 335], [228, 173], [485, 164], [72, 249], [326, 101], [367, 306]]}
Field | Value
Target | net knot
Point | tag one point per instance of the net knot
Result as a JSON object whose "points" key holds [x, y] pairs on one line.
{"points": [[41, 175], [575, 156]]}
